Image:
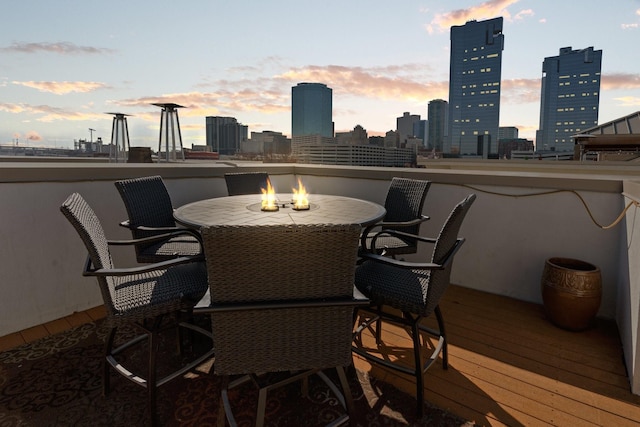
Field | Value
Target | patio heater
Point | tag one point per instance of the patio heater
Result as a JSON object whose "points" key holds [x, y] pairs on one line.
{"points": [[170, 131], [119, 137]]}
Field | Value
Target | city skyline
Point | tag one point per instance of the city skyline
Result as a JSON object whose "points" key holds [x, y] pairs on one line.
{"points": [[64, 65]]}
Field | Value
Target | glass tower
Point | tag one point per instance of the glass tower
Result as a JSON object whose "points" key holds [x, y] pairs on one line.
{"points": [[474, 87], [311, 110], [437, 117], [570, 97]]}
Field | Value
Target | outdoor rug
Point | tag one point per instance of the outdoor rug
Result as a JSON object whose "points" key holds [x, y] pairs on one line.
{"points": [[56, 381]]}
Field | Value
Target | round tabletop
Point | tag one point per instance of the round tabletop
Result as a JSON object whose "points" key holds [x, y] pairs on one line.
{"points": [[246, 210]]}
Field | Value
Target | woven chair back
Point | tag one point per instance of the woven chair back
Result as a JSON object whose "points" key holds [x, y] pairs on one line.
{"points": [[271, 265], [446, 241], [88, 226], [147, 202], [405, 201], [241, 183]]}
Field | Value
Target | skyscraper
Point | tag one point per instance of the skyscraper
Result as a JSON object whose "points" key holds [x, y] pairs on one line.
{"points": [[311, 110], [404, 126], [474, 87], [437, 118], [570, 97], [225, 135]]}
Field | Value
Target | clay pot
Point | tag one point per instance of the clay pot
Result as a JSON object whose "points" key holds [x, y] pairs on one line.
{"points": [[571, 292]]}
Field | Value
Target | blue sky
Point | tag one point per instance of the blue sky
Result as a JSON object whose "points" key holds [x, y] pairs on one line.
{"points": [[64, 64]]}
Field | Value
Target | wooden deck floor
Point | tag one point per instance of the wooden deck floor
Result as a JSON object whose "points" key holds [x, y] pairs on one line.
{"points": [[508, 365]]}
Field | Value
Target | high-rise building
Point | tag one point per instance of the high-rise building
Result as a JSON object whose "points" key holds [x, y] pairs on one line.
{"points": [[311, 110], [474, 87], [437, 113], [225, 135], [570, 97], [404, 126]]}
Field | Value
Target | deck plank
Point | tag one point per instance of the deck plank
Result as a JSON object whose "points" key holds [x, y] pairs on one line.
{"points": [[510, 366]]}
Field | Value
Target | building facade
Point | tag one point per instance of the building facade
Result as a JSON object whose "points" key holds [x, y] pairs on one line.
{"points": [[404, 126], [311, 110], [474, 88], [570, 97], [507, 132], [355, 155], [437, 113], [225, 135]]}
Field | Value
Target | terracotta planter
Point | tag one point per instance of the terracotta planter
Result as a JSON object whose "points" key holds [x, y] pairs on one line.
{"points": [[571, 292]]}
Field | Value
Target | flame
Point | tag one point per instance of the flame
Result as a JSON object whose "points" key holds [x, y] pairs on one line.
{"points": [[300, 197], [269, 197]]}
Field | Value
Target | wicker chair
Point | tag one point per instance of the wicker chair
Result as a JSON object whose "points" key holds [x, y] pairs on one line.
{"points": [[139, 296], [414, 289], [246, 182], [404, 203], [151, 214], [281, 301]]}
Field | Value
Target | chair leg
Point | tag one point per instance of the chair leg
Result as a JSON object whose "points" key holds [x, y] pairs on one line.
{"points": [[445, 350], [379, 327], [108, 347], [419, 374], [151, 376], [346, 391], [262, 406]]}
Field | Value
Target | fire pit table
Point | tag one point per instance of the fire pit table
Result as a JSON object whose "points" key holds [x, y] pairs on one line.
{"points": [[247, 210]]}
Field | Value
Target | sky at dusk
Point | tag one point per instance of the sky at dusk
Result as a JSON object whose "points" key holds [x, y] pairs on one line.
{"points": [[65, 64]]}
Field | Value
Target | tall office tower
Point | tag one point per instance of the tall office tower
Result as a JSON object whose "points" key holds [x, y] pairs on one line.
{"points": [[437, 112], [311, 110], [474, 87], [225, 135], [570, 97], [404, 126]]}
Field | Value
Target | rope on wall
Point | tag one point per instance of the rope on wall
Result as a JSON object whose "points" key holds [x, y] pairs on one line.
{"points": [[584, 203]]}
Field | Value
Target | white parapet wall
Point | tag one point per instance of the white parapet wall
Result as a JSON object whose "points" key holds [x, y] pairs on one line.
{"points": [[525, 213]]}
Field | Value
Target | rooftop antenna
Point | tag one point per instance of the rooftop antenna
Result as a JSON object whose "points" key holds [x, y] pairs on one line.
{"points": [[169, 125]]}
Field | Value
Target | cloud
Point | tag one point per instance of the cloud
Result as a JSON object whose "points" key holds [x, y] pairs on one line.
{"points": [[380, 83], [33, 136], [523, 13], [63, 48], [617, 81], [629, 101], [62, 88], [628, 26], [520, 91], [49, 113], [486, 10]]}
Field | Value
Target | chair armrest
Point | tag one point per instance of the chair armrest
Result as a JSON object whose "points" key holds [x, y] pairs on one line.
{"points": [[145, 268], [399, 224], [157, 237], [414, 265], [415, 221], [127, 224]]}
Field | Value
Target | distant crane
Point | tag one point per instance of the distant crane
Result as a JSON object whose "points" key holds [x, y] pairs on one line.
{"points": [[91, 133]]}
